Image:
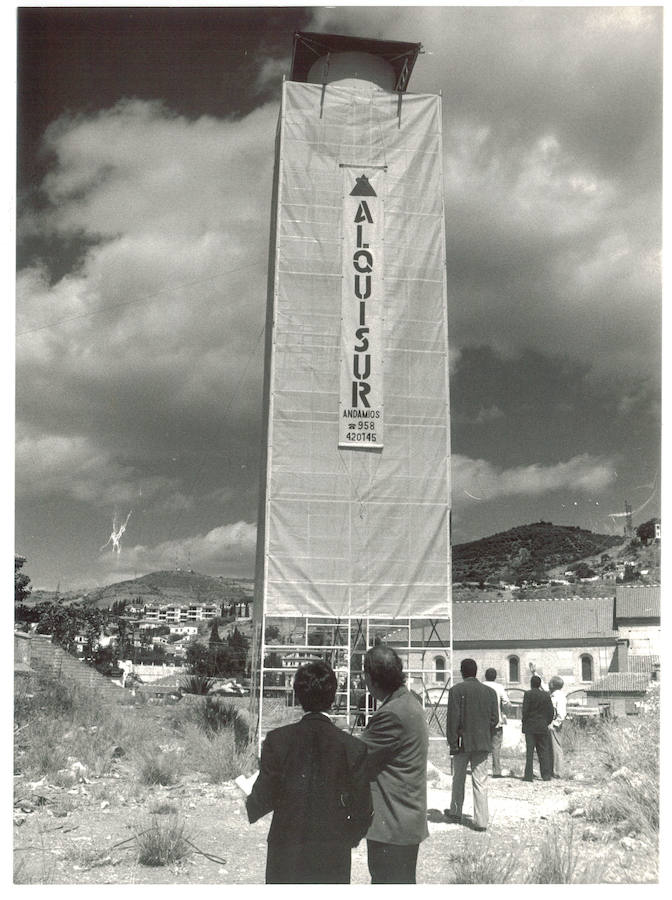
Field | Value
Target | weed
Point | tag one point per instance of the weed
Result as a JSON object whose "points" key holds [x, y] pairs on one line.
{"points": [[218, 714], [197, 684], [482, 865], [160, 767], [556, 860], [42, 873], [215, 755], [162, 843], [163, 808], [42, 752]]}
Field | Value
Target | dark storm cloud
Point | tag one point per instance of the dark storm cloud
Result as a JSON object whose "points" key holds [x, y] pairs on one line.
{"points": [[143, 226]]}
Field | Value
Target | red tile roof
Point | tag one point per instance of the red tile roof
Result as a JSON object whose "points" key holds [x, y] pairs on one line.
{"points": [[580, 618], [620, 683], [637, 602], [644, 663]]}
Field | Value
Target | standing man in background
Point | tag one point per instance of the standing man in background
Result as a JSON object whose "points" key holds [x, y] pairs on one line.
{"points": [[559, 701], [498, 735], [537, 716], [397, 740], [473, 714]]}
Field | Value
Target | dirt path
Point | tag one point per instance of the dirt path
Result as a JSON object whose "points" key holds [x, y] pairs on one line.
{"points": [[84, 835]]}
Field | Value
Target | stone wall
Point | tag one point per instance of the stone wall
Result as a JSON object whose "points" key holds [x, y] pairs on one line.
{"points": [[50, 659]]}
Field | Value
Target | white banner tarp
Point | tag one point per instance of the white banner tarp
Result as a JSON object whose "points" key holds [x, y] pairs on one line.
{"points": [[361, 401], [357, 531]]}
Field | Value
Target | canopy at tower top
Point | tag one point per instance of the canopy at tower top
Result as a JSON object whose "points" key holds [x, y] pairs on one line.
{"points": [[311, 46]]}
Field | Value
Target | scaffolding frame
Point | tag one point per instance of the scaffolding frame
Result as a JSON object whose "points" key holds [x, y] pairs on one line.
{"points": [[283, 643]]}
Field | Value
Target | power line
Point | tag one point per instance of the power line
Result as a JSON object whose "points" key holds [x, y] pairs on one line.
{"points": [[144, 299]]}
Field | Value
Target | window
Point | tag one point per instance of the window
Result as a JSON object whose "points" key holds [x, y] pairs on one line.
{"points": [[439, 668], [514, 668], [586, 667]]}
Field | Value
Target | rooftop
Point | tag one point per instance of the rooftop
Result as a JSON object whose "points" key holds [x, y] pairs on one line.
{"points": [[637, 602], [620, 683], [580, 618], [310, 46]]}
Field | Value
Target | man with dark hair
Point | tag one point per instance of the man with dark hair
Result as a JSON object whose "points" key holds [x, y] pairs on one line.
{"points": [[537, 716], [498, 734], [473, 713], [559, 701], [313, 777], [397, 740]]}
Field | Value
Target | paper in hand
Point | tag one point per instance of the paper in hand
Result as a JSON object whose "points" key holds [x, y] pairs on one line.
{"points": [[245, 782]]}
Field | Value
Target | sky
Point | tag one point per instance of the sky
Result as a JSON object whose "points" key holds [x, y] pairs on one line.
{"points": [[145, 142]]}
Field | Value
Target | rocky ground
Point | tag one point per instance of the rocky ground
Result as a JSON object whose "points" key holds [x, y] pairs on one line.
{"points": [[86, 833]]}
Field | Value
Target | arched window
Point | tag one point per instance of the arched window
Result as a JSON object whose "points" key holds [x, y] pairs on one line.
{"points": [[586, 667], [439, 668], [514, 668]]}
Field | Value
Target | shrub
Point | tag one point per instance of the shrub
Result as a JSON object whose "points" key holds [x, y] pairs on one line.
{"points": [[163, 808], [197, 684], [482, 864], [218, 714], [214, 754], [629, 751], [556, 859], [160, 767], [162, 843]]}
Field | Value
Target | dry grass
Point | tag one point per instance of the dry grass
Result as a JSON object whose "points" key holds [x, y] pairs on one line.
{"points": [[628, 750], [163, 808], [556, 859], [482, 864], [57, 724], [162, 843], [214, 754], [160, 767]]}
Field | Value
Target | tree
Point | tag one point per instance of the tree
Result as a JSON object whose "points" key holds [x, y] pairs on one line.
{"points": [[239, 645], [583, 570], [214, 634], [22, 586], [198, 658], [647, 531]]}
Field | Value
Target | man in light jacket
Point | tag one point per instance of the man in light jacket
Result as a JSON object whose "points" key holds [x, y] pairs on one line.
{"points": [[473, 714], [397, 740], [559, 701], [503, 702]]}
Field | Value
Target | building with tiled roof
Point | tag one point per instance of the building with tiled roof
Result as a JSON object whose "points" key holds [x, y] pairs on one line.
{"points": [[637, 602], [529, 621], [581, 639], [620, 683], [637, 617], [620, 690]]}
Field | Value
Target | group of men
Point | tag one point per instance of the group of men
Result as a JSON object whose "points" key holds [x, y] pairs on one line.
{"points": [[475, 724], [328, 790]]}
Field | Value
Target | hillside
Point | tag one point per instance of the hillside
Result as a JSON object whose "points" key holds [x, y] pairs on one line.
{"points": [[528, 552], [178, 586]]}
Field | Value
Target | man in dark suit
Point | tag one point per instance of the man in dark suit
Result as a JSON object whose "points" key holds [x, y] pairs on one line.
{"points": [[472, 716], [397, 740], [313, 777], [537, 716]]}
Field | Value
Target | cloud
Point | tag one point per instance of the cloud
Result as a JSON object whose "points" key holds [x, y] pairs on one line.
{"points": [[476, 479], [226, 549], [74, 466], [552, 160], [483, 416], [161, 318]]}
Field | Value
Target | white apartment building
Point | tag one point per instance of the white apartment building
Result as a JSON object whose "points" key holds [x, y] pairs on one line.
{"points": [[177, 612]]}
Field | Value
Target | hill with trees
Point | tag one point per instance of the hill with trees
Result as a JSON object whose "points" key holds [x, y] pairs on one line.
{"points": [[177, 586], [528, 553]]}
